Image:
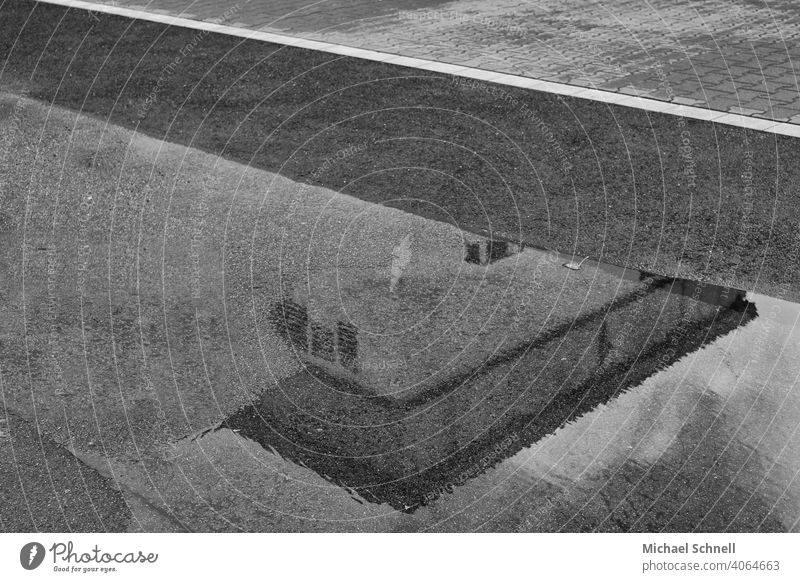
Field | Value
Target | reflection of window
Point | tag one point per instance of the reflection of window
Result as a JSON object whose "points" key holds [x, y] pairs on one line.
{"points": [[497, 249], [489, 251], [292, 323], [348, 344], [473, 253], [322, 342]]}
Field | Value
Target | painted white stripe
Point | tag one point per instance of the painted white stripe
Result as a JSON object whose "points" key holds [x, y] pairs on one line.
{"points": [[610, 97]]}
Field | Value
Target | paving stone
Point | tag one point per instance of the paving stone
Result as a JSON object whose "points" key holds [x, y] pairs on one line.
{"points": [[784, 95], [782, 114], [687, 101], [724, 103], [745, 111]]}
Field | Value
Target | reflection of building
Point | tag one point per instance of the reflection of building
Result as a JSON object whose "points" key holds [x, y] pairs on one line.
{"points": [[483, 252], [323, 344], [445, 313], [426, 360], [575, 346], [449, 313]]}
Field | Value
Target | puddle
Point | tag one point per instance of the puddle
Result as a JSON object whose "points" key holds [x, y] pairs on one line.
{"points": [[644, 370]]}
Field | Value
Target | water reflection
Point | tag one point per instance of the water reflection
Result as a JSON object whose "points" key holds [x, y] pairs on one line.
{"points": [[484, 252], [451, 422], [708, 444]]}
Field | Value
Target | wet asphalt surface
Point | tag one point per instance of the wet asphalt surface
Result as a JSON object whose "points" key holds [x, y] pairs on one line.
{"points": [[189, 343]]}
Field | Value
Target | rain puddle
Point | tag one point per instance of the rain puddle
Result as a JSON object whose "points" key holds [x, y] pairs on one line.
{"points": [[682, 391]]}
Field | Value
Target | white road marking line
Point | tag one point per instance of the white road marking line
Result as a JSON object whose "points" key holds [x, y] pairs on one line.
{"points": [[609, 97]]}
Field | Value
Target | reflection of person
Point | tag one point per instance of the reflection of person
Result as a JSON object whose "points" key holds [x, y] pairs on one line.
{"points": [[401, 257]]}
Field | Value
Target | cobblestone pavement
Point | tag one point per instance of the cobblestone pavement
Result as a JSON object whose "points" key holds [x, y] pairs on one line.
{"points": [[735, 56]]}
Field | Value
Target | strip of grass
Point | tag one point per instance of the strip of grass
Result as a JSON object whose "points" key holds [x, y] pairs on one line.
{"points": [[570, 174]]}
